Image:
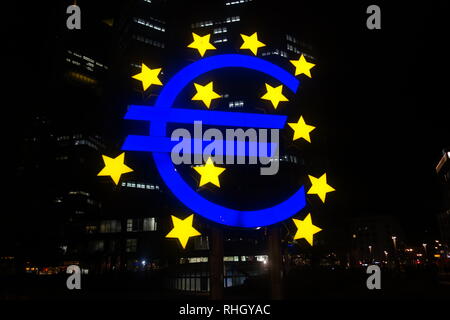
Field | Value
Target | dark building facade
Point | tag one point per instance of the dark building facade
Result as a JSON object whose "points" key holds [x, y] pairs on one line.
{"points": [[443, 171], [108, 228]]}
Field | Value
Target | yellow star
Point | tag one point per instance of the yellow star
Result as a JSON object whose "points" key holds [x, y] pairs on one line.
{"points": [[183, 230], [301, 130], [209, 173], [205, 93], [201, 43], [114, 167], [274, 94], [305, 229], [320, 186], [302, 66], [252, 43], [148, 77]]}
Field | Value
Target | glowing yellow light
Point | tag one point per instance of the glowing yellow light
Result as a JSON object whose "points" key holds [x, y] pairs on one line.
{"points": [[209, 173], [274, 94], [320, 186], [301, 130], [305, 229], [205, 93], [114, 167], [183, 230], [148, 77], [302, 66], [81, 77], [252, 43], [201, 43]]}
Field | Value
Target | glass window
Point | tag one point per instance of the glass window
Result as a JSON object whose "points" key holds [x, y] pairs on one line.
{"points": [[131, 245], [149, 224], [110, 226]]}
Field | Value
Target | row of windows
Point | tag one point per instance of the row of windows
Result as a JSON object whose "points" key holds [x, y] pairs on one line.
{"points": [[148, 24], [133, 225], [258, 258], [138, 225], [156, 20], [110, 226], [62, 138], [81, 193], [90, 141], [287, 158], [210, 22], [275, 52], [140, 185], [230, 3], [196, 282], [143, 39], [236, 104], [292, 48], [220, 30], [291, 38], [193, 260], [220, 40], [87, 143], [89, 63], [199, 281], [81, 78]]}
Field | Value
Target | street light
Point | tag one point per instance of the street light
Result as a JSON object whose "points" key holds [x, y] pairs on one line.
{"points": [[425, 248], [394, 239]]}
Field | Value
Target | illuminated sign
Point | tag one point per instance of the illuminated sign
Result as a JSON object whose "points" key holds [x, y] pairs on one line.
{"points": [[160, 145]]}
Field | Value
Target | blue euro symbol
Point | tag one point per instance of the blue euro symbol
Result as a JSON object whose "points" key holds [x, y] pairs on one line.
{"points": [[160, 145]]}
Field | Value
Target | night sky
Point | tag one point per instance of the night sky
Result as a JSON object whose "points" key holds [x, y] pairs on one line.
{"points": [[383, 99]]}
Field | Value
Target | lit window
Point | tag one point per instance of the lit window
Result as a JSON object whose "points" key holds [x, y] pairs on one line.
{"points": [[148, 24], [230, 3], [220, 30], [262, 258], [131, 245], [129, 225], [220, 40], [149, 224], [236, 104], [91, 228], [110, 226]]}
